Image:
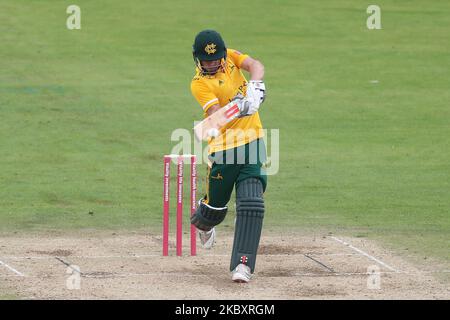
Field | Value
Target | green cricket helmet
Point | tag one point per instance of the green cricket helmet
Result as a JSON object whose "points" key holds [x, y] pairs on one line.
{"points": [[209, 46]]}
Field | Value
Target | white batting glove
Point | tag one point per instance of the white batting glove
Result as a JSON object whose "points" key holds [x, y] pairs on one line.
{"points": [[258, 90], [256, 94]]}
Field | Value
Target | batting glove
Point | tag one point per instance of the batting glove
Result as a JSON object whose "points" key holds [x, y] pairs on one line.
{"points": [[243, 104], [256, 94]]}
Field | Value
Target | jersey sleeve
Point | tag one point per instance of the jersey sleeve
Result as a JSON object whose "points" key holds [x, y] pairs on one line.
{"points": [[203, 94], [237, 57]]}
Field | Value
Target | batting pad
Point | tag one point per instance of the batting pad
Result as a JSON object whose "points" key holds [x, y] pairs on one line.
{"points": [[249, 221], [207, 217]]}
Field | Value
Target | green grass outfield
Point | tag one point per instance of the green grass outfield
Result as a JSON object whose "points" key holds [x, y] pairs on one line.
{"points": [[85, 116]]}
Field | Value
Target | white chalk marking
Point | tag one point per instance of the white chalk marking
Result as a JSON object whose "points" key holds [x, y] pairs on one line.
{"points": [[365, 254], [143, 256], [20, 274], [296, 274]]}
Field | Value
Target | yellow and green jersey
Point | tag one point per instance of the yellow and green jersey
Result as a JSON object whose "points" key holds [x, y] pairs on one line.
{"points": [[221, 88]]}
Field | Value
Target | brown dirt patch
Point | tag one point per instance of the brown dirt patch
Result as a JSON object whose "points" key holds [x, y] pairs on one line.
{"points": [[130, 266]]}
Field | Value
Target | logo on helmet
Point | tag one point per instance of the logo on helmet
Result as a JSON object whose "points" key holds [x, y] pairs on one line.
{"points": [[210, 48]]}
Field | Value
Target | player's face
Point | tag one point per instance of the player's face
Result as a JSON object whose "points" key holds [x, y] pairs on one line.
{"points": [[211, 66]]}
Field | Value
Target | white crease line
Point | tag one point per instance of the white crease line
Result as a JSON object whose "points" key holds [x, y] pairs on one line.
{"points": [[365, 254], [20, 274], [160, 255], [296, 274], [82, 257]]}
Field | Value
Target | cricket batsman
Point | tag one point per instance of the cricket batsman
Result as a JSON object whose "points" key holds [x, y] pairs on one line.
{"points": [[236, 153]]}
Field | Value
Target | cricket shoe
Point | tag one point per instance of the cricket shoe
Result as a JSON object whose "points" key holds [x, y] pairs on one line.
{"points": [[207, 238], [241, 274]]}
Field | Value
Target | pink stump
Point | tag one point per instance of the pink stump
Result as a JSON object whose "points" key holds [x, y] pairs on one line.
{"points": [[166, 206], [193, 203], [180, 206]]}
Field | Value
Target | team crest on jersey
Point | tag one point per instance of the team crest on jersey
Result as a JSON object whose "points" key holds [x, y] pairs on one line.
{"points": [[221, 82], [210, 48]]}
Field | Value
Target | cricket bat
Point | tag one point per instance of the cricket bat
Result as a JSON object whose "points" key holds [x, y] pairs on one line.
{"points": [[211, 125]]}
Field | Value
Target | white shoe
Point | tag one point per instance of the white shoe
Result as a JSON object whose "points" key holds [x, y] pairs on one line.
{"points": [[241, 274], [207, 238]]}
